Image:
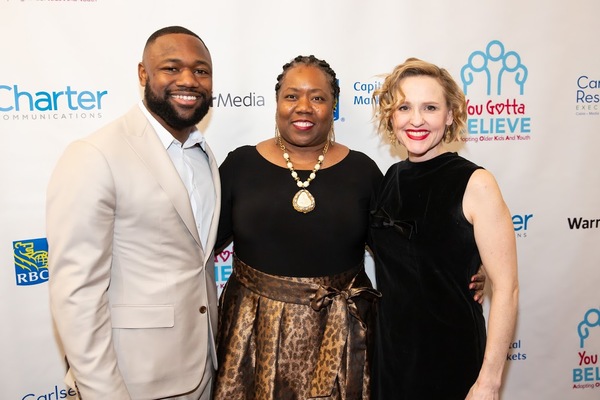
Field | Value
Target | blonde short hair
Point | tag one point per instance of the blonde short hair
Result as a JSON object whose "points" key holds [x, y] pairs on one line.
{"points": [[388, 98]]}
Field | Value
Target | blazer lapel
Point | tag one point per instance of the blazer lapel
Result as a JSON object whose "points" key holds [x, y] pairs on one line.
{"points": [[214, 224], [145, 143]]}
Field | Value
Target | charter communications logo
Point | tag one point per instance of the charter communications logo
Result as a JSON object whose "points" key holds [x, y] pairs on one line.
{"points": [[494, 82], [31, 261], [521, 224], [587, 373], [23, 104]]}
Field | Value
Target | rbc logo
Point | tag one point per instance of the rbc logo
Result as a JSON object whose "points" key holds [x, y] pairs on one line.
{"points": [[31, 261], [494, 60], [336, 110]]}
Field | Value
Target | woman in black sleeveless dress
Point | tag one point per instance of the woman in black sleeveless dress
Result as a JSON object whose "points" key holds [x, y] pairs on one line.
{"points": [[438, 216]]}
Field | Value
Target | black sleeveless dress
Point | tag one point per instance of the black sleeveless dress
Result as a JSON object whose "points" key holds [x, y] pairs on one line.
{"points": [[431, 333]]}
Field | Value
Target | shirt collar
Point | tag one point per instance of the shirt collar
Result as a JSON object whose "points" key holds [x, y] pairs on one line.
{"points": [[165, 136]]}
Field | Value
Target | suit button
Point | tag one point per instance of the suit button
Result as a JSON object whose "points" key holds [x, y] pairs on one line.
{"points": [[202, 310]]}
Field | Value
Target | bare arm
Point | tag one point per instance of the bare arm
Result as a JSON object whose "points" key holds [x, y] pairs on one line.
{"points": [[485, 208]]}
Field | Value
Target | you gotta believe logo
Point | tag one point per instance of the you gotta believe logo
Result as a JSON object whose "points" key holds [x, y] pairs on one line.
{"points": [[223, 267], [31, 261], [587, 373], [500, 115]]}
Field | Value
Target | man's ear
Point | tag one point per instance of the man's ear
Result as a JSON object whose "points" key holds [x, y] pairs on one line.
{"points": [[142, 74]]}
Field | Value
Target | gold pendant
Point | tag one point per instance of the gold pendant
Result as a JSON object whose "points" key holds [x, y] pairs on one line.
{"points": [[303, 201]]}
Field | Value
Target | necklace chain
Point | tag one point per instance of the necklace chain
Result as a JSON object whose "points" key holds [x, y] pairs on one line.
{"points": [[290, 166]]}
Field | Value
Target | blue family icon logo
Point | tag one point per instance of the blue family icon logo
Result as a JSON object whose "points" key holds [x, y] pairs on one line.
{"points": [[591, 319], [587, 373], [494, 82], [31, 261]]}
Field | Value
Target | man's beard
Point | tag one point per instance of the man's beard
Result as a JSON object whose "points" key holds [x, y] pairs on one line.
{"points": [[167, 112]]}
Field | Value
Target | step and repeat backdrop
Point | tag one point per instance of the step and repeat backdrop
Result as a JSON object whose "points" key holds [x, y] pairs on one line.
{"points": [[530, 71]]}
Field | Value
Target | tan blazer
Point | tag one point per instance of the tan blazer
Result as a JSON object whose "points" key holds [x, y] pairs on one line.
{"points": [[132, 291]]}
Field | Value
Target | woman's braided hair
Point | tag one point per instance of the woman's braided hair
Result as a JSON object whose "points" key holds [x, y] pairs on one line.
{"points": [[311, 60]]}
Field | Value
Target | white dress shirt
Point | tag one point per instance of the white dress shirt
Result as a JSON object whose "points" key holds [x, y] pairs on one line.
{"points": [[191, 162]]}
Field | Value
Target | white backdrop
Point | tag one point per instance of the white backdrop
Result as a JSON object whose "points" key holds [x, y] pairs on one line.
{"points": [[530, 69]]}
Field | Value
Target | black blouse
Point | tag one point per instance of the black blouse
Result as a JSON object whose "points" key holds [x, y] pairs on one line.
{"points": [[271, 236]]}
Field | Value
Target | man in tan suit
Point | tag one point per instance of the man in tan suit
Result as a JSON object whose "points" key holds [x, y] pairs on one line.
{"points": [[132, 215]]}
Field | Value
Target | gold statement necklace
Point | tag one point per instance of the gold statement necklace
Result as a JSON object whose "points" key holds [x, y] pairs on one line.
{"points": [[303, 201]]}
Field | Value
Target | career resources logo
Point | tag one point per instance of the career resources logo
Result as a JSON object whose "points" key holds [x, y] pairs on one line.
{"points": [[31, 261], [494, 82], [587, 97]]}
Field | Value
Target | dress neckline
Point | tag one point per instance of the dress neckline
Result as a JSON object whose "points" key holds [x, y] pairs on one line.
{"points": [[433, 161], [350, 151]]}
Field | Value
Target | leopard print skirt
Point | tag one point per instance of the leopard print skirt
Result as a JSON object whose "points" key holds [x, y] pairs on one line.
{"points": [[287, 338]]}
